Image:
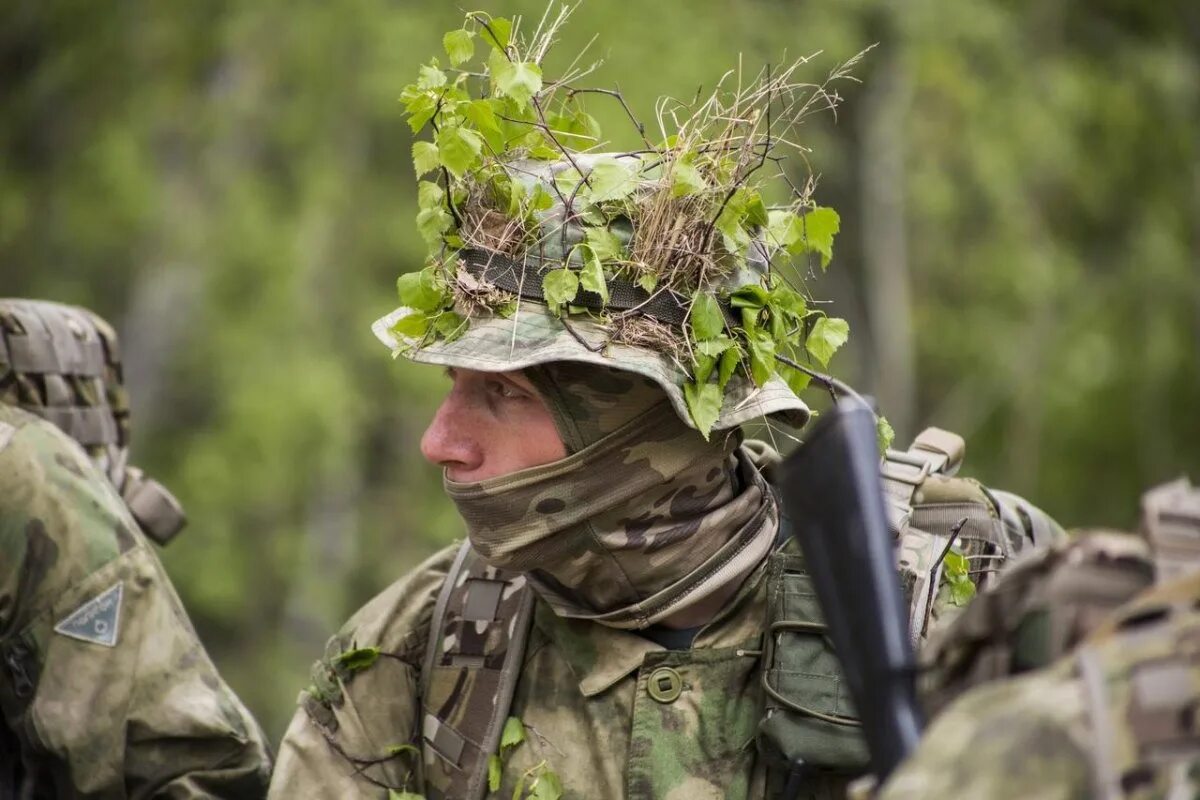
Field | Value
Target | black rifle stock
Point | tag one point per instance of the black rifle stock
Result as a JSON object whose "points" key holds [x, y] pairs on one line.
{"points": [[833, 496]]}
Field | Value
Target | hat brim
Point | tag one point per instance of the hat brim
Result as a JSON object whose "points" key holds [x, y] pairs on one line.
{"points": [[533, 335]]}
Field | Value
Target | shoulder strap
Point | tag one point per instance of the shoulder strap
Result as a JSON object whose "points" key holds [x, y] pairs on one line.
{"points": [[476, 648], [934, 451]]}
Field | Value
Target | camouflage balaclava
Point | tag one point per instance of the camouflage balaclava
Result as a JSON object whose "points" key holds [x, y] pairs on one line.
{"points": [[641, 519], [63, 363]]}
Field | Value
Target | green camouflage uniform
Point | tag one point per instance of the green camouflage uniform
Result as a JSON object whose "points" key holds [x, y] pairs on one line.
{"points": [[642, 518], [1116, 715], [105, 689]]}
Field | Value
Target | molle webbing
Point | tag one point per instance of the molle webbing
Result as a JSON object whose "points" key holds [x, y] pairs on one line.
{"points": [[1171, 523], [68, 355], [476, 646], [524, 278]]}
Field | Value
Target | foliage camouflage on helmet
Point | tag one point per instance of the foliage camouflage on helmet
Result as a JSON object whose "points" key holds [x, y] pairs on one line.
{"points": [[658, 261]]}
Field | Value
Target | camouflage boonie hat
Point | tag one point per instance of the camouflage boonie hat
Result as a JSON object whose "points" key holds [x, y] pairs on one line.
{"points": [[530, 333], [63, 364]]}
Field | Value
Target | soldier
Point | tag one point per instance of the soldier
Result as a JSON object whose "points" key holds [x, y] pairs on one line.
{"points": [[105, 688], [628, 617], [1115, 716]]}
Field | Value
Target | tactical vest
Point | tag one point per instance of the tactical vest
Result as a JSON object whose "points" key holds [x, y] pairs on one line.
{"points": [[482, 618]]}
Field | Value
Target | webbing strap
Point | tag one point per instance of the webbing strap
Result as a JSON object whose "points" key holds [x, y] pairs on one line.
{"points": [[480, 624], [50, 345], [1171, 523], [91, 426], [525, 278], [933, 451]]}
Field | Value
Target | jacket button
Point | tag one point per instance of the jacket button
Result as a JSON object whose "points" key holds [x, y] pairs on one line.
{"points": [[665, 685]]}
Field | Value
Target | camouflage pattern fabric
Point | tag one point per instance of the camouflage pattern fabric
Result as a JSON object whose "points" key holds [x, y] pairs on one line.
{"points": [[105, 689], [1115, 719], [533, 335], [630, 529], [1037, 612]]}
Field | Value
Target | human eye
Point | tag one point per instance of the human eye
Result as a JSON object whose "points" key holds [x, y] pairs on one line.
{"points": [[504, 389]]}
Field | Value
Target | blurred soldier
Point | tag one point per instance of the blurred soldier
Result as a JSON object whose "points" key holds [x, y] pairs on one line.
{"points": [[105, 689], [1117, 716], [627, 592]]}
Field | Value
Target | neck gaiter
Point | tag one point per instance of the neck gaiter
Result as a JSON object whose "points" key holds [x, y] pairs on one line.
{"points": [[642, 519]]}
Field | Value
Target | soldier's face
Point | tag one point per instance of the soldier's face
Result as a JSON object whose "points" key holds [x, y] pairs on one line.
{"points": [[490, 424]]}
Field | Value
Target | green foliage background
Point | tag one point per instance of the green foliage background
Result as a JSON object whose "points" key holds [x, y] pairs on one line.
{"points": [[231, 184]]}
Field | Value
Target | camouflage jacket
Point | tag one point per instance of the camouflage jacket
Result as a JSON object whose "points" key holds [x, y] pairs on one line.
{"points": [[583, 697], [105, 689], [1116, 718]]}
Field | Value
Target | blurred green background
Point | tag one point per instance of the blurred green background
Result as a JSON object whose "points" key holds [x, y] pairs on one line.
{"points": [[230, 183]]}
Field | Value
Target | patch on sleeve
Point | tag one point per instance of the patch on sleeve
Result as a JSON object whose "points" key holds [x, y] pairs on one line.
{"points": [[96, 621]]}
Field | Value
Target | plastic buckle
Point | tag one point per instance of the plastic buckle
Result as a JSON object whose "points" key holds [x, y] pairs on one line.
{"points": [[897, 460]]}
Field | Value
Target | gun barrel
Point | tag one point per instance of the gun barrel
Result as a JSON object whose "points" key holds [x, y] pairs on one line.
{"points": [[833, 498]]}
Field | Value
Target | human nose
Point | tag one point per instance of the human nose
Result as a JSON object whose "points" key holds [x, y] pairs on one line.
{"points": [[446, 442]]}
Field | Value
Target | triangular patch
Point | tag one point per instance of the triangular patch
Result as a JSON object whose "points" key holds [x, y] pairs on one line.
{"points": [[97, 620]]}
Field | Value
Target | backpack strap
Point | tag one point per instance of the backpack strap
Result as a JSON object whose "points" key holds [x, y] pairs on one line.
{"points": [[476, 648], [933, 452]]}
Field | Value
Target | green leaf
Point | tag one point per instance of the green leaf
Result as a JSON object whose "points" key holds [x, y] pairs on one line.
{"points": [[425, 157], [611, 180], [540, 199], [648, 281], [498, 32], [686, 180], [796, 380], [761, 346], [412, 326], [513, 734], [432, 223], [706, 319], [702, 367], [430, 77], [788, 301], [749, 296], [520, 80], [429, 195], [605, 244], [961, 592], [559, 287], [395, 795], [714, 347], [450, 325], [729, 362], [548, 786], [357, 659], [482, 115], [783, 229], [420, 106], [756, 212], [884, 433], [826, 336], [820, 226], [704, 405], [591, 277], [419, 290], [495, 772], [460, 46], [458, 149]]}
